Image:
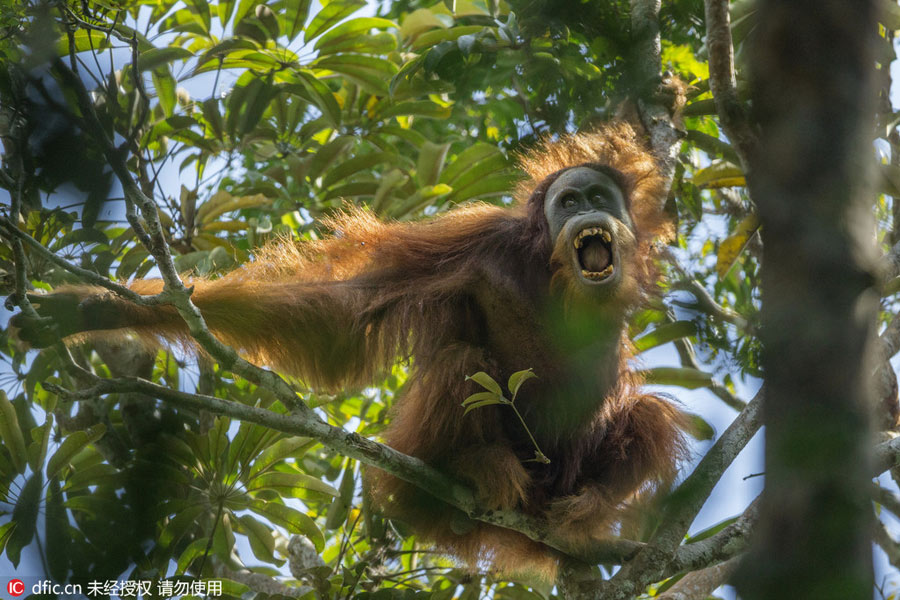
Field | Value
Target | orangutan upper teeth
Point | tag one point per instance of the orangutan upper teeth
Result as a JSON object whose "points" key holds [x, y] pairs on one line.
{"points": [[579, 239]]}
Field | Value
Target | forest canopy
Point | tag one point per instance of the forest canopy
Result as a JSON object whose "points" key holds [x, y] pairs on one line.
{"points": [[175, 139]]}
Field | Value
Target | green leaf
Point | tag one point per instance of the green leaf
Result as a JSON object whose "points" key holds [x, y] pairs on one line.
{"points": [[481, 397], [371, 73], [244, 8], [333, 13], [194, 551], [200, 11], [37, 450], [25, 516], [486, 381], [410, 136], [257, 96], [351, 166], [326, 156], [340, 506], [719, 174], [406, 73], [491, 185], [468, 159], [293, 17], [378, 44], [353, 190], [158, 57], [318, 94], [432, 38], [130, 262], [212, 115], [164, 84], [184, 522], [709, 531], [700, 429], [290, 483], [94, 506], [6, 531], [475, 405], [431, 162], [72, 445], [517, 379], [664, 334], [85, 40], [262, 542], [351, 29], [390, 181], [685, 377], [424, 196], [277, 452], [421, 108], [11, 434], [224, 8], [58, 536], [221, 51], [291, 519], [422, 20], [732, 247]]}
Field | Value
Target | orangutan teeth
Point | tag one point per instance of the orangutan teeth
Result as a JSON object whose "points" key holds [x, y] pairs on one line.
{"points": [[579, 239], [597, 276]]}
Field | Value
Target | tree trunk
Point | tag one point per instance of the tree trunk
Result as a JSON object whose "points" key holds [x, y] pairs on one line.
{"points": [[812, 63]]}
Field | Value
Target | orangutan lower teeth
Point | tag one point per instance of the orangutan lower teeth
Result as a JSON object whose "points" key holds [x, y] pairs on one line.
{"points": [[597, 276]]}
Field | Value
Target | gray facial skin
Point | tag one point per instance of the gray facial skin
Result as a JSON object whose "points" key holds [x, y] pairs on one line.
{"points": [[582, 191]]}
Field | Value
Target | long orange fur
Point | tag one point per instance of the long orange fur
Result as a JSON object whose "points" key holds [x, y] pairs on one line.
{"points": [[461, 293]]}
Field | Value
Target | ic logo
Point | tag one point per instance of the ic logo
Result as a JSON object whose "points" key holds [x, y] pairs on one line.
{"points": [[15, 587]]}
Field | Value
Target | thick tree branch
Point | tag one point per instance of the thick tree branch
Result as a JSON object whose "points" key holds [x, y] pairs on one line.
{"points": [[663, 136], [650, 564], [887, 456], [724, 545], [732, 113], [891, 262], [698, 585], [887, 499], [887, 543], [366, 451]]}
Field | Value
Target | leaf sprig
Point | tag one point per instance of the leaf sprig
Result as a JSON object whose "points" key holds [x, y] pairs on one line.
{"points": [[494, 395]]}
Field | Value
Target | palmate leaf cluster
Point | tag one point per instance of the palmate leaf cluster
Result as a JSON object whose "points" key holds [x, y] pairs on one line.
{"points": [[249, 120]]}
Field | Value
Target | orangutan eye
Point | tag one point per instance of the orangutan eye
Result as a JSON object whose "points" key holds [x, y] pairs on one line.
{"points": [[569, 201]]}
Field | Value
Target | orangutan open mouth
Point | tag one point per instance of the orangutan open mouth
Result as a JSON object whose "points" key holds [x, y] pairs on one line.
{"points": [[594, 248]]}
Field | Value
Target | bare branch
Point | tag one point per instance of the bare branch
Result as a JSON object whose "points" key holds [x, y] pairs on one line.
{"points": [[707, 304]]}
